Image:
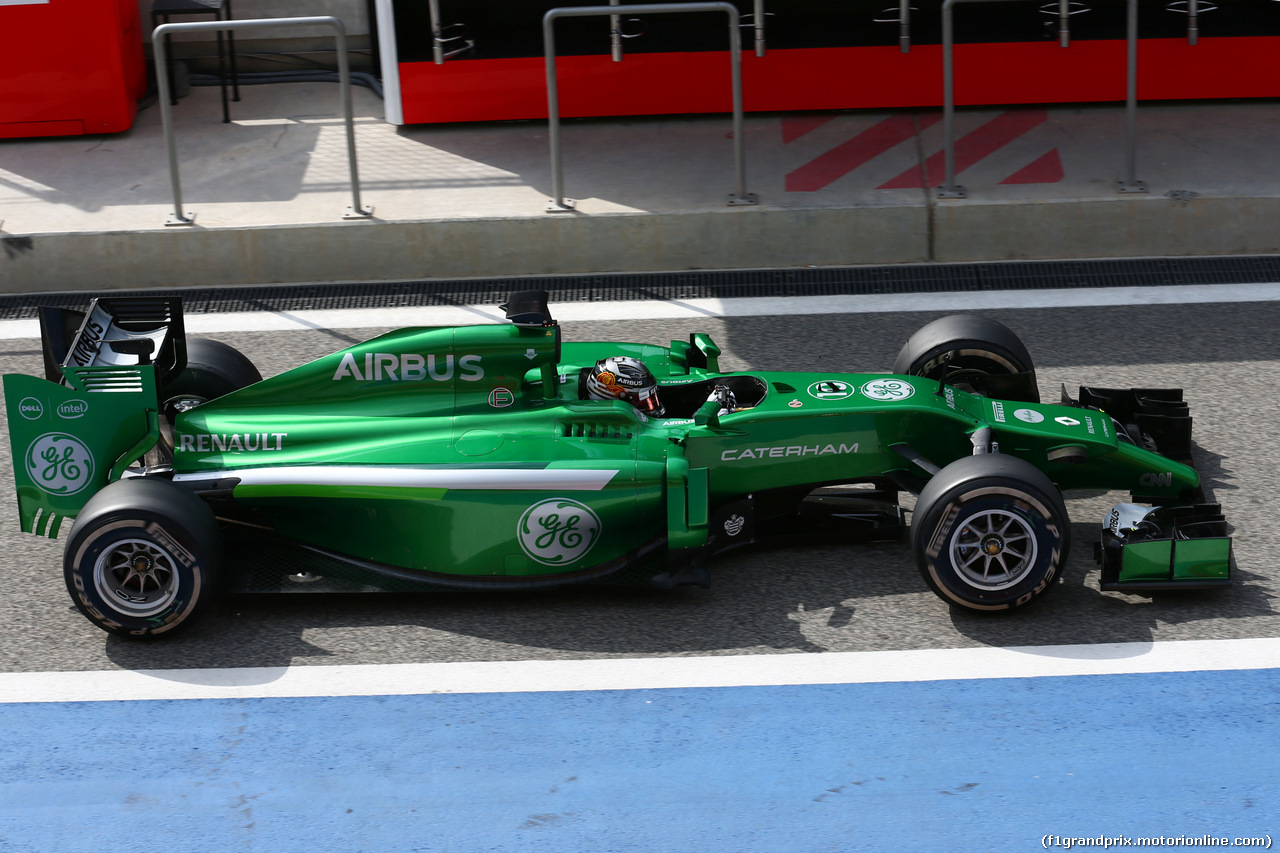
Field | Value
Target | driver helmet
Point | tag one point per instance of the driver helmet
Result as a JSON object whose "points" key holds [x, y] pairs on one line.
{"points": [[624, 378]]}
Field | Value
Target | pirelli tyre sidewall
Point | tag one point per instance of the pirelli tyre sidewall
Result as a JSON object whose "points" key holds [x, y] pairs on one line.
{"points": [[162, 531], [990, 533]]}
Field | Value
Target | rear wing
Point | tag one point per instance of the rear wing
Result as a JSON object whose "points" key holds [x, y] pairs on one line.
{"points": [[114, 332], [97, 410]]}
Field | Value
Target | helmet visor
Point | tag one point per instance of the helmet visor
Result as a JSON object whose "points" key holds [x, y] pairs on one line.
{"points": [[646, 400]]}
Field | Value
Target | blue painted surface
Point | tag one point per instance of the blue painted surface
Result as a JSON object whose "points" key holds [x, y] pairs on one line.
{"points": [[953, 765]]}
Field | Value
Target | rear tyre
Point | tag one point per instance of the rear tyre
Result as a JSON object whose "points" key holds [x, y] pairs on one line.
{"points": [[979, 354], [990, 532], [142, 558], [213, 370]]}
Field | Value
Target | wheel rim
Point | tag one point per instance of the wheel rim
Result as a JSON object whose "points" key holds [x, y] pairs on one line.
{"points": [[994, 549], [136, 577]]}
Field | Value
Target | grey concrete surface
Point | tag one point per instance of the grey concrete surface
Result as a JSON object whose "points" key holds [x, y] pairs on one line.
{"points": [[268, 191], [803, 599]]}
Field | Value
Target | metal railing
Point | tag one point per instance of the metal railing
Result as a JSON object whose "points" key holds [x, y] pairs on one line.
{"points": [[1063, 10], [901, 17], [1192, 9], [616, 35], [949, 189], [356, 210], [444, 43], [560, 204], [757, 16]]}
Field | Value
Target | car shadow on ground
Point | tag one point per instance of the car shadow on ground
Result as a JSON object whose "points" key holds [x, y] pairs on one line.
{"points": [[763, 601]]}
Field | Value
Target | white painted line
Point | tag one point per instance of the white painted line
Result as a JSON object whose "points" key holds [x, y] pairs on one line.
{"points": [[386, 476], [575, 312], [642, 673]]}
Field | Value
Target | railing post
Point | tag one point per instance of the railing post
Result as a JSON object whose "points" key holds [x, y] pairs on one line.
{"points": [[357, 210], [949, 188], [439, 39], [615, 33], [559, 204], [437, 43], [757, 19], [1131, 184], [166, 123], [904, 24]]}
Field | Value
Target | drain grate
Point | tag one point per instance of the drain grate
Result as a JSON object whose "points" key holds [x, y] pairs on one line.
{"points": [[625, 287]]}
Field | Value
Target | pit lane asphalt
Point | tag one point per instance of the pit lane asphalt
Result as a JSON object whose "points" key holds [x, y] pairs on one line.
{"points": [[810, 599]]}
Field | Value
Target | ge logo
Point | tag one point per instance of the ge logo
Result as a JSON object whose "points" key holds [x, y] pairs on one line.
{"points": [[888, 389], [1031, 416], [558, 532], [60, 464]]}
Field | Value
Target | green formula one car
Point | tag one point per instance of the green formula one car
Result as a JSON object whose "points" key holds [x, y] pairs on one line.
{"points": [[498, 456]]}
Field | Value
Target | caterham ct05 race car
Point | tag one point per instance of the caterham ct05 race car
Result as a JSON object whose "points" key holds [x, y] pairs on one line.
{"points": [[498, 456]]}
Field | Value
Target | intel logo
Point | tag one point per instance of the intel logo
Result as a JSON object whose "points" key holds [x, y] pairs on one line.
{"points": [[73, 409], [30, 408]]}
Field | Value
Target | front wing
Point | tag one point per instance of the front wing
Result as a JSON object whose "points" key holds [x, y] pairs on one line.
{"points": [[1182, 543]]}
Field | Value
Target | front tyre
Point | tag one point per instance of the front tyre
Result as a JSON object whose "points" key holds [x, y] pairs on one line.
{"points": [[141, 560], [990, 532], [978, 355]]}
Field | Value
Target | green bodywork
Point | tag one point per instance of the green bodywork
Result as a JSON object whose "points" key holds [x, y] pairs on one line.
{"points": [[69, 441], [1174, 560], [469, 451]]}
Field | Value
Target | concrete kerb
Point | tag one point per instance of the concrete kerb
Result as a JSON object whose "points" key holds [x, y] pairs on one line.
{"points": [[1119, 227], [387, 251], [969, 230]]}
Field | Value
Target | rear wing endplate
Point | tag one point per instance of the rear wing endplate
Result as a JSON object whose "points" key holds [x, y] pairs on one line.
{"points": [[96, 412], [112, 333], [69, 441]]}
